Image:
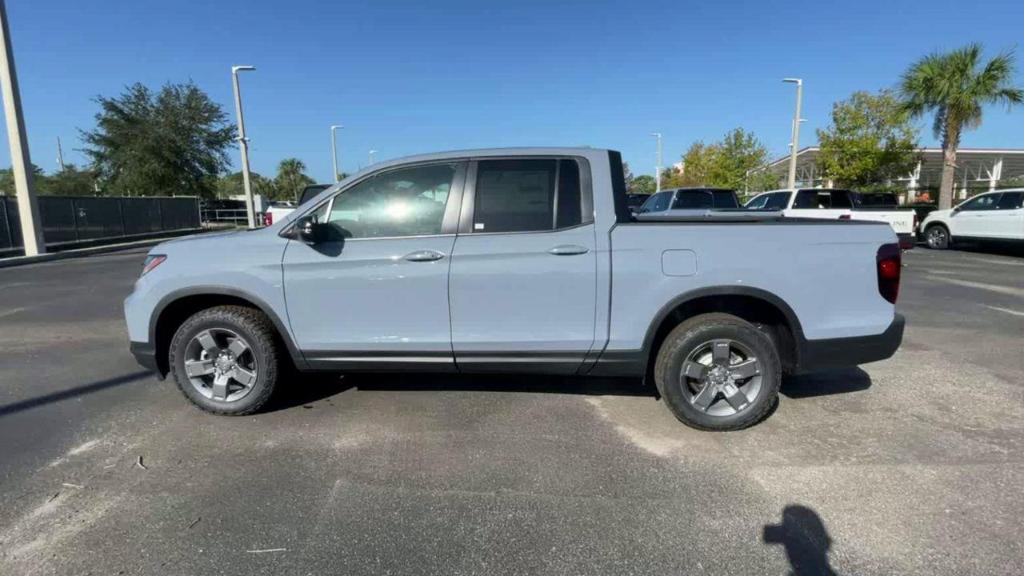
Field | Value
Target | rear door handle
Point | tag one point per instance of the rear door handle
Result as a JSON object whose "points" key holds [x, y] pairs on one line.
{"points": [[569, 250], [423, 256]]}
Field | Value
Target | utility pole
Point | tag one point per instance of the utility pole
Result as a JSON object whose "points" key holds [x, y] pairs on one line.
{"points": [[21, 163], [334, 149], [60, 155], [657, 167], [795, 142], [243, 146]]}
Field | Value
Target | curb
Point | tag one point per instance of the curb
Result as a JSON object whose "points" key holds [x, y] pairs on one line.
{"points": [[92, 250]]}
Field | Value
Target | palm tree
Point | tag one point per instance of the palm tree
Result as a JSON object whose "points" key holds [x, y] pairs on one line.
{"points": [[956, 86], [291, 177]]}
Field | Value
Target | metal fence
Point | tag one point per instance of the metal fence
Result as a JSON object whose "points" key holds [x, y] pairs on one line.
{"points": [[70, 220]]}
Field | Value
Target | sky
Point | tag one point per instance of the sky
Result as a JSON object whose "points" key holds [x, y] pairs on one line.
{"points": [[424, 76]]}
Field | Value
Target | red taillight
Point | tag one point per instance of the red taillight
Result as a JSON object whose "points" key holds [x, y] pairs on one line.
{"points": [[268, 219], [152, 261], [889, 263]]}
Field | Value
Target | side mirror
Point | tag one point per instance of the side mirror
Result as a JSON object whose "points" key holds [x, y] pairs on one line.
{"points": [[310, 231], [956, 209]]}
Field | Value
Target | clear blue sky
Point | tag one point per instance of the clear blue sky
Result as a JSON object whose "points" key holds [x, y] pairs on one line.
{"points": [[419, 76]]}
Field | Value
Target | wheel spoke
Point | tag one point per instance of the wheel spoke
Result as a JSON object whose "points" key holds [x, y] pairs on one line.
{"points": [[746, 369], [197, 368], [720, 352], [735, 397], [705, 397], [205, 339], [244, 376], [220, 387], [695, 370], [238, 347]]}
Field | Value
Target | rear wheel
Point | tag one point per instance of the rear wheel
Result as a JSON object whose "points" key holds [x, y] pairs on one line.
{"points": [[224, 359], [718, 372], [937, 237]]}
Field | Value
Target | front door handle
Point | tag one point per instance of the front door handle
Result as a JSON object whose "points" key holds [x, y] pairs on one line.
{"points": [[423, 256], [569, 250]]}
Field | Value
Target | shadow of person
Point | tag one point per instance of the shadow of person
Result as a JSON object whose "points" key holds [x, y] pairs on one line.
{"points": [[805, 539]]}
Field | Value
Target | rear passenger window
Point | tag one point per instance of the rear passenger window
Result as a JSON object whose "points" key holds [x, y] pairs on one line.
{"points": [[527, 195], [1010, 200]]}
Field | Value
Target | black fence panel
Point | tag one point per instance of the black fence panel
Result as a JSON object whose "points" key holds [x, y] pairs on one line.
{"points": [[178, 215], [98, 218], [57, 214], [141, 215], [74, 219]]}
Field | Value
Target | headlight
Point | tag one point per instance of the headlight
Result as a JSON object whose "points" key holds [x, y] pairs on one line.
{"points": [[152, 261]]}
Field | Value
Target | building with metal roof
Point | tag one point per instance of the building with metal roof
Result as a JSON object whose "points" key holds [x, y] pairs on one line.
{"points": [[977, 170]]}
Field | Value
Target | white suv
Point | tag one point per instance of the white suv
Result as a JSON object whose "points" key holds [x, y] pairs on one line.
{"points": [[991, 216]]}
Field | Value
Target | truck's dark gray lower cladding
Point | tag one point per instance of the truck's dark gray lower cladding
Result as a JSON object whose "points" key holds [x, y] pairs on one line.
{"points": [[70, 220]]}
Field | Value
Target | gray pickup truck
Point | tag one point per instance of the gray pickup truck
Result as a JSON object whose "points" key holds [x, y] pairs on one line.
{"points": [[517, 261]]}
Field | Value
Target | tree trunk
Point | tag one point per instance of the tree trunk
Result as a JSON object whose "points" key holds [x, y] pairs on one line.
{"points": [[950, 142]]}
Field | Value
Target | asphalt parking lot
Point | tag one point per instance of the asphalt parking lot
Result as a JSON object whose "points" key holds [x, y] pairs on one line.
{"points": [[911, 465]]}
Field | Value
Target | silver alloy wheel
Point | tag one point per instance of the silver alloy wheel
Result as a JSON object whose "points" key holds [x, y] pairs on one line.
{"points": [[937, 237], [220, 365], [721, 377]]}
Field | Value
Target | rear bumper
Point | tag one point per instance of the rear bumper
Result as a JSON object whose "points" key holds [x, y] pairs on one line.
{"points": [[907, 241], [145, 355], [844, 352]]}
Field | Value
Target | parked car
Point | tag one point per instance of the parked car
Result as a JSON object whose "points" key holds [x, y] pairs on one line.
{"points": [[280, 209], [993, 216], [635, 201], [518, 261], [690, 199], [842, 205]]}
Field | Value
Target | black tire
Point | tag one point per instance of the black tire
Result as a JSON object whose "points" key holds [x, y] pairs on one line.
{"points": [[680, 392], [256, 330], [937, 237]]}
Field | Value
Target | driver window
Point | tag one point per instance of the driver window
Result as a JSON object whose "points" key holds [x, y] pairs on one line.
{"points": [[403, 202], [984, 202]]}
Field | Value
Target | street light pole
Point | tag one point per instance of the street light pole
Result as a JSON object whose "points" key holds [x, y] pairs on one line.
{"points": [[21, 163], [371, 155], [795, 142], [334, 149], [657, 167], [243, 146]]}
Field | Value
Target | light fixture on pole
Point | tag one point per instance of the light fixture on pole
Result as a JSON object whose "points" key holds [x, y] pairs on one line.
{"points": [[657, 167], [794, 143], [334, 149], [243, 146]]}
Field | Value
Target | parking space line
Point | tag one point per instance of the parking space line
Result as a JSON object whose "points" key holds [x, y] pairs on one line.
{"points": [[979, 285], [1006, 310]]}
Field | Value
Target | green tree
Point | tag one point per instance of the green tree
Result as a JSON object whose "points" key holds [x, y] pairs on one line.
{"points": [[174, 141], [232, 185], [69, 182], [871, 139], [955, 86], [642, 184], [736, 162], [291, 178]]}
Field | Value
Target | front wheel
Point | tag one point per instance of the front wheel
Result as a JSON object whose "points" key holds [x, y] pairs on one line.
{"points": [[718, 372], [937, 237], [224, 359]]}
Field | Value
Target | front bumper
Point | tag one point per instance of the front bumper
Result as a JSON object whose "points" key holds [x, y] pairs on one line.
{"points": [[145, 355], [845, 352]]}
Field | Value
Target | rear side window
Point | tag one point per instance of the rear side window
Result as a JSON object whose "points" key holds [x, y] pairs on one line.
{"points": [[1011, 200], [725, 199], [527, 195], [822, 199]]}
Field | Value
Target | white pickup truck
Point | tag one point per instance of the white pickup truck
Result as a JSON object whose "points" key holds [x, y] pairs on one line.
{"points": [[841, 205]]}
